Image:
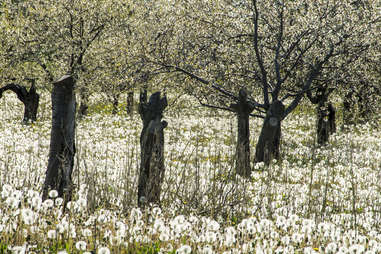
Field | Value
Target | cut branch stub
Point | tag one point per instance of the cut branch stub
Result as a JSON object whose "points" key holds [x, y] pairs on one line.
{"points": [[152, 148], [243, 108], [62, 143]]}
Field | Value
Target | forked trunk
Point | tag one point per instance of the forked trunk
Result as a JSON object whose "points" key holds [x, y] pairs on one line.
{"points": [[268, 146], [62, 148]]}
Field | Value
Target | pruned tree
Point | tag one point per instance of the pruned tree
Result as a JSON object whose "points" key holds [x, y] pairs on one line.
{"points": [[277, 49], [62, 139], [152, 168], [30, 99], [325, 113]]}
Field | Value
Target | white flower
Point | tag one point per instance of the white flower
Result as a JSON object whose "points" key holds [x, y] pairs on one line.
{"points": [[207, 250], [62, 252], [48, 203], [52, 234], [19, 249], [28, 216], [7, 189], [59, 201], [36, 202], [103, 250], [53, 194], [80, 245], [136, 214], [82, 202], [185, 249], [86, 232]]}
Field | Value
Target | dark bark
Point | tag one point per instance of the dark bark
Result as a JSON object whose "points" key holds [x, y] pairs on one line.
{"points": [[130, 103], [62, 144], [152, 148], [348, 103], [268, 146], [115, 103], [30, 99], [325, 113], [84, 102], [243, 110]]}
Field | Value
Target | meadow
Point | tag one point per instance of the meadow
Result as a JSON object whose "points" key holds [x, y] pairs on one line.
{"points": [[313, 200]]}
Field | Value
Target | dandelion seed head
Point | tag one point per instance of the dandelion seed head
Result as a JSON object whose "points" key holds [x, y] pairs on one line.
{"points": [[103, 250], [80, 245], [53, 194]]}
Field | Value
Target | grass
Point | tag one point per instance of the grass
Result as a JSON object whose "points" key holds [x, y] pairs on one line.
{"points": [[313, 200]]}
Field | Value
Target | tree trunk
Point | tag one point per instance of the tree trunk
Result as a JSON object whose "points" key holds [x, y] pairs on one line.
{"points": [[30, 99], [325, 114], [31, 105], [152, 148], [348, 104], [115, 103], [268, 146], [84, 102], [130, 103], [243, 109], [62, 145]]}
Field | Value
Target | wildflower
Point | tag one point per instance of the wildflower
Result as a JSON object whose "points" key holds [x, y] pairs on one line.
{"points": [[28, 216], [207, 250], [86, 232], [103, 250], [58, 201], [210, 237], [136, 214], [82, 203], [7, 189], [62, 252], [36, 202], [213, 225], [53, 194], [156, 211], [185, 249], [19, 249], [12, 202], [331, 247], [48, 203], [115, 240], [80, 245], [356, 248], [164, 237], [52, 234]]}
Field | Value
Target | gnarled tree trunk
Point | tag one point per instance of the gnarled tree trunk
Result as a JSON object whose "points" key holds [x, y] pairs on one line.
{"points": [[268, 145], [115, 103], [152, 148], [30, 99], [130, 103], [243, 109], [62, 145], [84, 102], [325, 114]]}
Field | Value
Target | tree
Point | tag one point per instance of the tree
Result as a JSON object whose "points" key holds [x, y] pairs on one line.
{"points": [[62, 143], [325, 112], [276, 49], [152, 168], [30, 99], [57, 38]]}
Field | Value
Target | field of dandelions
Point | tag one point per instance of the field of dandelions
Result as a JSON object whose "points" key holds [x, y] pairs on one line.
{"points": [[313, 200]]}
